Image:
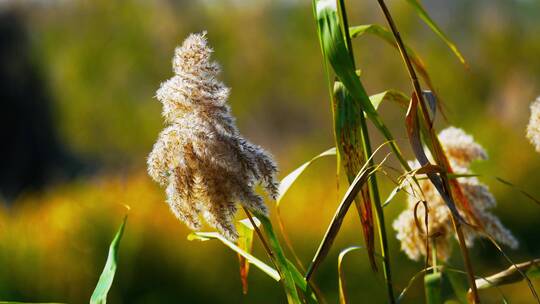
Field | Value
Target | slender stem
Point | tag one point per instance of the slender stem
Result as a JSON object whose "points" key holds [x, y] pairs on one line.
{"points": [[345, 25], [466, 259], [261, 238], [374, 192], [434, 256], [272, 257], [406, 58], [429, 122], [281, 261], [316, 290], [287, 240]]}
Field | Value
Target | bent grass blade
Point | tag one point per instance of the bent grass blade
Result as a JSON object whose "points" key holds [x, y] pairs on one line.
{"points": [[289, 180], [384, 34], [205, 236], [343, 299], [99, 296], [421, 11], [284, 187], [337, 220]]}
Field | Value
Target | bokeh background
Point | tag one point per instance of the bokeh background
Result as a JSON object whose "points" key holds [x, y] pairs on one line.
{"points": [[78, 117]]}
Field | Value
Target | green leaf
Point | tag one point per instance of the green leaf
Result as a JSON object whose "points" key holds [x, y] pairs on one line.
{"points": [[348, 123], [343, 299], [205, 236], [297, 277], [337, 220], [459, 285], [374, 29], [99, 296], [336, 52], [289, 180], [350, 101], [284, 266], [391, 95], [435, 28], [383, 33], [387, 36], [302, 283]]}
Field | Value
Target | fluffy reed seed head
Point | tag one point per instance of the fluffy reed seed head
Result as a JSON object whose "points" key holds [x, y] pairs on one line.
{"points": [[461, 150], [201, 159], [533, 128]]}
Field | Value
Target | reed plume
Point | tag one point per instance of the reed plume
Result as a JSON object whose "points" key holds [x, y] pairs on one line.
{"points": [[461, 150], [533, 128], [201, 159]]}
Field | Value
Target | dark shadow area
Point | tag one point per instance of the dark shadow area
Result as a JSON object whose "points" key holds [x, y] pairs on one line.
{"points": [[31, 155]]}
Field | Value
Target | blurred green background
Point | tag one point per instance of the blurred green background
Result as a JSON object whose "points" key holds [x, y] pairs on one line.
{"points": [[88, 71]]}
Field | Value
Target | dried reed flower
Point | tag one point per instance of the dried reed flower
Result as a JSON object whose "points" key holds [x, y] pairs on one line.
{"points": [[461, 150], [200, 157], [533, 128]]}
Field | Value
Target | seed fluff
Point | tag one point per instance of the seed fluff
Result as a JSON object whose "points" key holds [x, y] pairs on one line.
{"points": [[533, 128], [201, 159], [461, 150]]}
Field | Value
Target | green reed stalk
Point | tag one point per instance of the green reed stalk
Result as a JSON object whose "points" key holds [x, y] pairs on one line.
{"points": [[373, 187], [374, 192], [277, 256], [434, 256]]}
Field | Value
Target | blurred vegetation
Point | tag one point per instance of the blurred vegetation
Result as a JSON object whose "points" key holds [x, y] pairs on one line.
{"points": [[103, 60]]}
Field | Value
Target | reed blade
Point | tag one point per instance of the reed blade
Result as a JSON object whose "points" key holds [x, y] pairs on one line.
{"points": [[205, 236], [421, 11], [347, 125], [337, 220], [386, 35], [99, 296], [343, 298]]}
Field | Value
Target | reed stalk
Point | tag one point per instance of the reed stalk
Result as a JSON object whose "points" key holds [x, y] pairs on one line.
{"points": [[372, 182]]}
